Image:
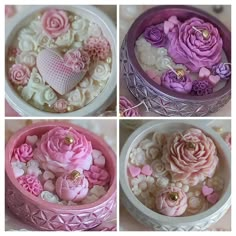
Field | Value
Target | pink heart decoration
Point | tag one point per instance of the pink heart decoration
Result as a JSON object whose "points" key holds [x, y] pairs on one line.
{"points": [[207, 191], [146, 170], [204, 73], [174, 20], [134, 170], [53, 70], [31, 139], [214, 79], [99, 161], [168, 26], [213, 198]]}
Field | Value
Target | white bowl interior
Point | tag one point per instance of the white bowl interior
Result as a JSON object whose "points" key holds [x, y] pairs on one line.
{"points": [[169, 127], [104, 99]]}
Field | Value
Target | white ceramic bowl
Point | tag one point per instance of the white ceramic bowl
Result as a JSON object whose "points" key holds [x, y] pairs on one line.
{"points": [[104, 99], [157, 221]]}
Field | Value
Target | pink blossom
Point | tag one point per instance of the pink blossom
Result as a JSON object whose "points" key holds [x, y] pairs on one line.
{"points": [[31, 184], [169, 206], [60, 105], [55, 154], [77, 59], [10, 10], [23, 153], [70, 189], [98, 48], [192, 157], [55, 22], [97, 176], [19, 74]]}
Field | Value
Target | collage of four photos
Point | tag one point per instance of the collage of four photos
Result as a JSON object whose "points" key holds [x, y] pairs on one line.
{"points": [[118, 117]]}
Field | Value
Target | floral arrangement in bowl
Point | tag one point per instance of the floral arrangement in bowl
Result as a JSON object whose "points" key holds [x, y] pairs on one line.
{"points": [[60, 61]]}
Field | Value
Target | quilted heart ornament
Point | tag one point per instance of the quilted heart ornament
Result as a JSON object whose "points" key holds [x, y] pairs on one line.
{"points": [[62, 74]]}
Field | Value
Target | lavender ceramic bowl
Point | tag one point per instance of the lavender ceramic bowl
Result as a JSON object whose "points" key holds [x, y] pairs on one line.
{"points": [[159, 99], [48, 216]]}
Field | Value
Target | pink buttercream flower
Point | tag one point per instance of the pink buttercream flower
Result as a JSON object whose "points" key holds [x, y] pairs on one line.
{"points": [[60, 105], [62, 150], [31, 184], [171, 201], [73, 189], [10, 10], [77, 59], [19, 74], [23, 153], [98, 48], [55, 22], [97, 176], [192, 157], [126, 107]]}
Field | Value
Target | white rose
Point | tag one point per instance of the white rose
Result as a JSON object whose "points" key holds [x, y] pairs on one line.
{"points": [[27, 43], [27, 58], [158, 168], [65, 39], [94, 30], [49, 197], [152, 151], [137, 156], [92, 90], [76, 97], [44, 41], [85, 83], [101, 71], [80, 28], [47, 96]]}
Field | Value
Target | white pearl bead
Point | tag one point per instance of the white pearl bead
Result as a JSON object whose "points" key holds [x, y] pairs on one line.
{"points": [[185, 188], [179, 185]]}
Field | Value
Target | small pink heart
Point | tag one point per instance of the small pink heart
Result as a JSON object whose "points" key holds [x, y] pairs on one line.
{"points": [[134, 170], [99, 161], [168, 26], [53, 70], [49, 186], [31, 139], [207, 191], [146, 170], [213, 198], [174, 20], [204, 73], [214, 79]]}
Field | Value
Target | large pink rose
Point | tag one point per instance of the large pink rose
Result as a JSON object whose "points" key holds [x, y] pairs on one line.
{"points": [[63, 150], [171, 201], [19, 74], [70, 189], [191, 157], [55, 22]]}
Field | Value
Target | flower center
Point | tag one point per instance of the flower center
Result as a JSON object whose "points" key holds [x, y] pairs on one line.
{"points": [[173, 196], [75, 174], [190, 145], [205, 34], [69, 140], [180, 73]]}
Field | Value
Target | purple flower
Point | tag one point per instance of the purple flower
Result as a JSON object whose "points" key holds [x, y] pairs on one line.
{"points": [[196, 44], [179, 84], [155, 35], [201, 87], [126, 108], [223, 70]]}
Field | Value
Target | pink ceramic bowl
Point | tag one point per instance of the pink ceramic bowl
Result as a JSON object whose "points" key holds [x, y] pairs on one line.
{"points": [[48, 216]]}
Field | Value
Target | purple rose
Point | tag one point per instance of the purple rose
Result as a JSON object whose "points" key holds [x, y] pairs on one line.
{"points": [[126, 108], [155, 35], [173, 82], [201, 87], [223, 70], [196, 44]]}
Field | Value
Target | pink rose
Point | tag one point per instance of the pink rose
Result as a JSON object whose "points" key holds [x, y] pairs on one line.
{"points": [[71, 189], [191, 158], [23, 153], [97, 176], [55, 22], [31, 184], [171, 201], [19, 74], [63, 150], [60, 105]]}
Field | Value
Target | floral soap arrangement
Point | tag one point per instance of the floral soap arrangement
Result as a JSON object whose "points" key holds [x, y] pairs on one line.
{"points": [[61, 167], [59, 62], [176, 174], [186, 57]]}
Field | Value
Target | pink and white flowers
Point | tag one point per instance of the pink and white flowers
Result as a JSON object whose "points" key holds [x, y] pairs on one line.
{"points": [[23, 153], [19, 74]]}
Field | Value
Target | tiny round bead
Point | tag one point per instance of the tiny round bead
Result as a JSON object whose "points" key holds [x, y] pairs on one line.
{"points": [[108, 60], [185, 188], [11, 59], [179, 184]]}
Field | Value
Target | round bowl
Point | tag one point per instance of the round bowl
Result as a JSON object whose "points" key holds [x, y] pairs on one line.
{"points": [[158, 98], [48, 216], [155, 220], [103, 100]]}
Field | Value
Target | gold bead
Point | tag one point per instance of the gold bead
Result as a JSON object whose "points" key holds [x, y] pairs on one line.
{"points": [[108, 60], [39, 17], [69, 140], [173, 196], [64, 50], [218, 129], [190, 145], [180, 73], [75, 174], [70, 108], [11, 59], [205, 34]]}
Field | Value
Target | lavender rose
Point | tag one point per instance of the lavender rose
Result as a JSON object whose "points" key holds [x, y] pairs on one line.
{"points": [[173, 82], [155, 35], [223, 70], [196, 44]]}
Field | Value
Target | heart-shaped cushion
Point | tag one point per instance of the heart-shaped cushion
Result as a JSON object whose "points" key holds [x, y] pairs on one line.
{"points": [[53, 71]]}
